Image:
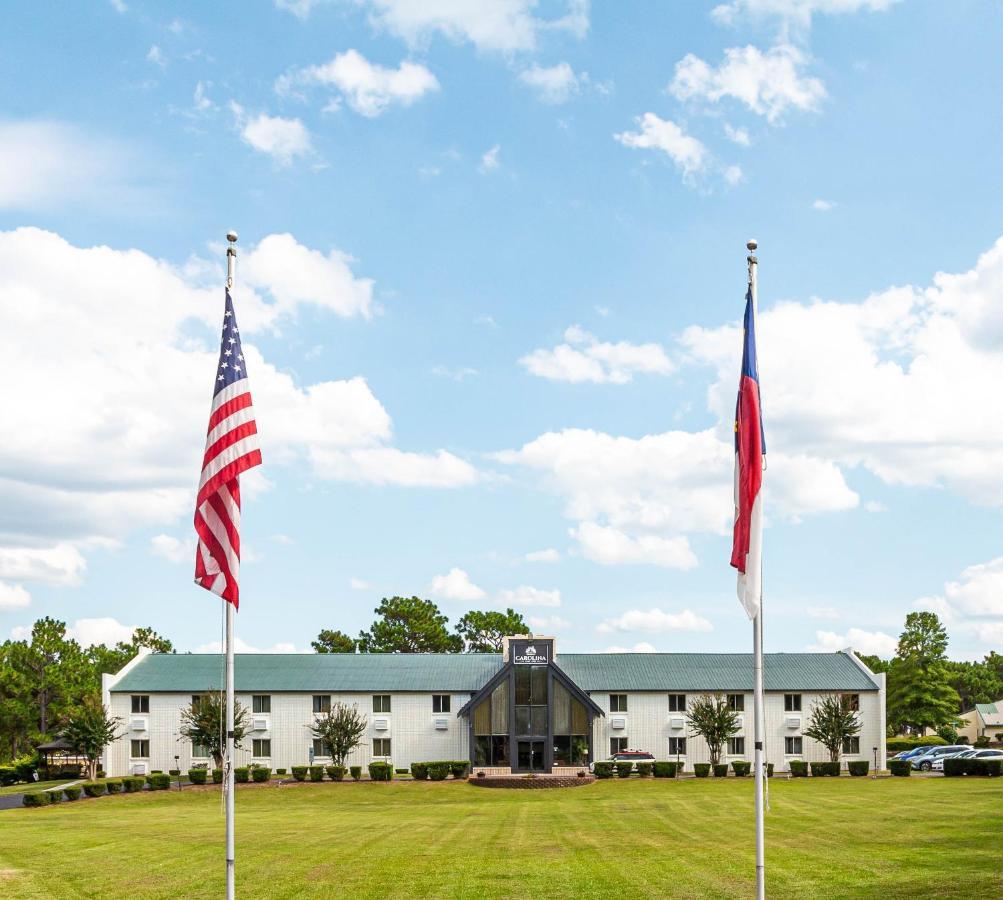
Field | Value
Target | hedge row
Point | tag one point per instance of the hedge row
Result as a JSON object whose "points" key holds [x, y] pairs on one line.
{"points": [[440, 769], [894, 745], [900, 767], [991, 767], [72, 792]]}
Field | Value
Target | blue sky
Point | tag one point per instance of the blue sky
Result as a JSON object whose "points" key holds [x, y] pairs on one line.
{"points": [[491, 270]]}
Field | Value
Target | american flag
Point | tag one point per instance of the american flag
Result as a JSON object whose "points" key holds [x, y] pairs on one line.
{"points": [[231, 447]]}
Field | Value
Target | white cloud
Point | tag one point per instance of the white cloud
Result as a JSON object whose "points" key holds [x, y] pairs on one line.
{"points": [[769, 83], [282, 539], [689, 155], [875, 643], [61, 564], [241, 646], [610, 547], [553, 84], [172, 549], [822, 205], [875, 506], [977, 595], [640, 647], [526, 595], [585, 358], [490, 160], [460, 373], [282, 139], [455, 585], [106, 630], [156, 56], [13, 596], [796, 12], [550, 555], [368, 88], [388, 465], [738, 136], [823, 612], [655, 620], [119, 6], [552, 624], [200, 99], [359, 584], [733, 174]]}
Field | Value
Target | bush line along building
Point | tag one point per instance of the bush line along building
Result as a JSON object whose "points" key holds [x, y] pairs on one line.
{"points": [[522, 710]]}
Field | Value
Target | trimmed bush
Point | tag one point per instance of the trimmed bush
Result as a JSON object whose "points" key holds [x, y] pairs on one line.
{"points": [[36, 798], [664, 769], [400, 771], [7, 776], [114, 785], [644, 769], [316, 773], [954, 767], [603, 769], [55, 796], [896, 744], [458, 768], [261, 774], [383, 771], [623, 768], [160, 782], [299, 772], [94, 788], [156, 771], [799, 768], [741, 767], [900, 767], [721, 770], [73, 792], [701, 770], [198, 776], [280, 771], [336, 773], [356, 772], [174, 773], [822, 769], [419, 771], [242, 774], [981, 741], [991, 767], [437, 771], [858, 767], [217, 776], [133, 783]]}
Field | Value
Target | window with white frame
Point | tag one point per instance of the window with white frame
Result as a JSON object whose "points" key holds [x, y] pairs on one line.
{"points": [[851, 746], [851, 701], [140, 749], [321, 703], [793, 746], [736, 746], [792, 703], [736, 702], [677, 703], [261, 748], [201, 751], [320, 748], [617, 702], [617, 745], [196, 700], [677, 746], [140, 703], [381, 746], [261, 703], [440, 703], [381, 703]]}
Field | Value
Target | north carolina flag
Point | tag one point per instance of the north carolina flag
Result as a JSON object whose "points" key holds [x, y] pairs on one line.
{"points": [[750, 450]]}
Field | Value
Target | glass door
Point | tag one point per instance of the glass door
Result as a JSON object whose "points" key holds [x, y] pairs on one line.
{"points": [[530, 756]]}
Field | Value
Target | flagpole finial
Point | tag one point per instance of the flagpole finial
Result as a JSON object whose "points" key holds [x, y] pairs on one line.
{"points": [[752, 245], [231, 236]]}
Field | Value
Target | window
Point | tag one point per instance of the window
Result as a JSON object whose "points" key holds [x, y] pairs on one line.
{"points": [[617, 702], [262, 703], [677, 746], [491, 740], [736, 746], [677, 703], [852, 701], [321, 703], [851, 745], [381, 746], [200, 751], [569, 727], [792, 703], [196, 700], [736, 702], [381, 704], [262, 748], [440, 703], [792, 746], [140, 703], [320, 748], [617, 745], [140, 750], [531, 701]]}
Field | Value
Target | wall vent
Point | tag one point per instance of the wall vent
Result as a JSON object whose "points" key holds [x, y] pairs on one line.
{"points": [[618, 722]]}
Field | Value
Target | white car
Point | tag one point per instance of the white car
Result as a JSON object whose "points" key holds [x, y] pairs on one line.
{"points": [[938, 764]]}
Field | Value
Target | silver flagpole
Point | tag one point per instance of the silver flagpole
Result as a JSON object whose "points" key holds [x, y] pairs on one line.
{"points": [[231, 262], [757, 651]]}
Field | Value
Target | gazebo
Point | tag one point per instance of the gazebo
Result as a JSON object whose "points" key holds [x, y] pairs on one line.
{"points": [[59, 755]]}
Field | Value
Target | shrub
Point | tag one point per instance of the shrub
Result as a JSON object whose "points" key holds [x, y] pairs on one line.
{"points": [[55, 796], [114, 785], [419, 771], [261, 774], [174, 773], [133, 783], [336, 773], [217, 776], [160, 782], [721, 770], [458, 768], [26, 766], [769, 770], [799, 768], [664, 769], [383, 771], [900, 767], [241, 774], [299, 772], [280, 771], [623, 768], [741, 767], [603, 769], [198, 776], [949, 733], [72, 792], [94, 788], [356, 772], [7, 776], [644, 769], [156, 771], [400, 771], [894, 745], [858, 767], [981, 741], [701, 770], [822, 769], [438, 771], [991, 767], [316, 773], [36, 798], [954, 767]]}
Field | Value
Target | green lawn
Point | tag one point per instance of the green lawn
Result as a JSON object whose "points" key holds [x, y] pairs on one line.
{"points": [[33, 786], [929, 837]]}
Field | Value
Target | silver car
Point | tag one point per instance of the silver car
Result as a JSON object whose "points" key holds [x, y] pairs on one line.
{"points": [[938, 764], [924, 762]]}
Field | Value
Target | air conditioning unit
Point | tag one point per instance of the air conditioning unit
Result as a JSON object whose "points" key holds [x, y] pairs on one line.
{"points": [[139, 768], [793, 721], [740, 721], [259, 725], [618, 722], [676, 722], [441, 724], [381, 724], [137, 724]]}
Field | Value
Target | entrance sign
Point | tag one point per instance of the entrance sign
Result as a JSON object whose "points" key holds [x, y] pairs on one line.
{"points": [[531, 653]]}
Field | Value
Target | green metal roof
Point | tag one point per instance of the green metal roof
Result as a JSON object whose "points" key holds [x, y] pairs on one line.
{"points": [[462, 672], [992, 713]]}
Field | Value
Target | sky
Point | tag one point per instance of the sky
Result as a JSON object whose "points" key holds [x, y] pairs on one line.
{"points": [[490, 279]]}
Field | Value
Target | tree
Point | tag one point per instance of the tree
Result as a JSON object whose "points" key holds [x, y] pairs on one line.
{"points": [[975, 682], [409, 625], [831, 722], [341, 730], [875, 663], [710, 717], [334, 642], [111, 659], [203, 722], [482, 632], [89, 729], [920, 694]]}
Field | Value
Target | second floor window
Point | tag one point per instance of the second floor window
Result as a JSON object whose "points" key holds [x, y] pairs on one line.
{"points": [[321, 703], [140, 703], [736, 702], [792, 703], [852, 701], [617, 702], [440, 703], [381, 703], [677, 703], [261, 703]]}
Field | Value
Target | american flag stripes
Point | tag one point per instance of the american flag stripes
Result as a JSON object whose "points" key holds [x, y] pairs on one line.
{"points": [[231, 447]]}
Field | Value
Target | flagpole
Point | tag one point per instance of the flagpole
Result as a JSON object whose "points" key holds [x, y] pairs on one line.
{"points": [[231, 262], [757, 652]]}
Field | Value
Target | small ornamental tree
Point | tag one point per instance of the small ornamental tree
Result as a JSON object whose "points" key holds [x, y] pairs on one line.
{"points": [[830, 723], [88, 729], [341, 729], [203, 722], [710, 717]]}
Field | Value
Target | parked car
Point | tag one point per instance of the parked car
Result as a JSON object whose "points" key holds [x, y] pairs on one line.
{"points": [[635, 756], [938, 764], [924, 762]]}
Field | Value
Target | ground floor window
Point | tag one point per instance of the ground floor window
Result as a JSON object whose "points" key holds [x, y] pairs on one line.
{"points": [[677, 746], [200, 751], [793, 746], [736, 746], [491, 750], [381, 746], [570, 750], [617, 745], [320, 748], [261, 748], [140, 750], [851, 745]]}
